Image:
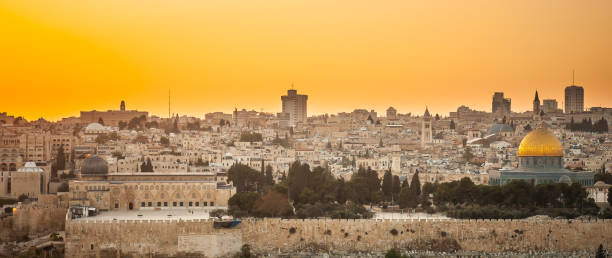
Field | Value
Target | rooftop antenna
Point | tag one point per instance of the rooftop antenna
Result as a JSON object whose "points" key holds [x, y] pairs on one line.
{"points": [[168, 102], [573, 73]]}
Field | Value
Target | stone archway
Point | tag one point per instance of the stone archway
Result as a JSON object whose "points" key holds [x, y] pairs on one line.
{"points": [[12, 167], [3, 167]]}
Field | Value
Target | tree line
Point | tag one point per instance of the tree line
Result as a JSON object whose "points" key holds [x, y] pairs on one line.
{"points": [[586, 125]]}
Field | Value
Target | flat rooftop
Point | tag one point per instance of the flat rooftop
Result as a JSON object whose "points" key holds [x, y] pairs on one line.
{"points": [[176, 214]]}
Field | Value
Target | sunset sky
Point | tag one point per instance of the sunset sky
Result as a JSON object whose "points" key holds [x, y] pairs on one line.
{"points": [[60, 57]]}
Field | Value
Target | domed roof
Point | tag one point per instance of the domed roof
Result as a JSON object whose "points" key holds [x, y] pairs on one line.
{"points": [[94, 126], [540, 142], [94, 165], [30, 167]]}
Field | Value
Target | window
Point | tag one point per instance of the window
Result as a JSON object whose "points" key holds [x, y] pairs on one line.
{"points": [[116, 205], [150, 204], [165, 204], [197, 204], [212, 203], [158, 204], [181, 203], [205, 204], [190, 204], [142, 204], [174, 204]]}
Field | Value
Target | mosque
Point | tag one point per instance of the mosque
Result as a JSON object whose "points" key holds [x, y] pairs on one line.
{"points": [[97, 188], [540, 157]]}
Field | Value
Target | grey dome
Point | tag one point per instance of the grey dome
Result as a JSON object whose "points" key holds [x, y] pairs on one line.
{"points": [[94, 165]]}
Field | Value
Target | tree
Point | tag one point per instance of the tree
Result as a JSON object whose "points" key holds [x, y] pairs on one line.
{"points": [[273, 204], [175, 128], [123, 125], [601, 253], [407, 199], [387, 185], [251, 137], [396, 188], [243, 201], [527, 128], [60, 160], [269, 178], [146, 166], [610, 196], [243, 177], [415, 184], [394, 253]]}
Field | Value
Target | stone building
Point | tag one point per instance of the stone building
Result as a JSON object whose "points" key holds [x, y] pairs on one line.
{"points": [[111, 117], [30, 180], [146, 191]]}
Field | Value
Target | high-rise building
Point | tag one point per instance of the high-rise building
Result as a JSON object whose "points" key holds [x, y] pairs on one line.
{"points": [[574, 99], [536, 104], [295, 105], [426, 130], [500, 104]]}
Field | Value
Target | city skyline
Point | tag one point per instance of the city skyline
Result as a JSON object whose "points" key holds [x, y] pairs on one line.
{"points": [[379, 110], [72, 56]]}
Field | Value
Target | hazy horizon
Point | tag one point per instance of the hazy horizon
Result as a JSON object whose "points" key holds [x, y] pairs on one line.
{"points": [[63, 57]]}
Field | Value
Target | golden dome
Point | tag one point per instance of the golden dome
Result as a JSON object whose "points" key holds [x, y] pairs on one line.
{"points": [[540, 142]]}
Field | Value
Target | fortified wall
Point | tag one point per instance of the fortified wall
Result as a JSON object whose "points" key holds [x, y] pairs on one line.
{"points": [[182, 237], [34, 219]]}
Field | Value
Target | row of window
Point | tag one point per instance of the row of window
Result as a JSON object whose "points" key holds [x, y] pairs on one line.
{"points": [[174, 204]]}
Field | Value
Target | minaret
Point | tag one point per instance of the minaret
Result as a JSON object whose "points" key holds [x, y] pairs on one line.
{"points": [[426, 130], [536, 104], [122, 107]]}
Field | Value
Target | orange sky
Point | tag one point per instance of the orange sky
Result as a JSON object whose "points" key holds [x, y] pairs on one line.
{"points": [[60, 57]]}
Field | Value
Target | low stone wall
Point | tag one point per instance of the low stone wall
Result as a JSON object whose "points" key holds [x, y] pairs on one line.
{"points": [[183, 237]]}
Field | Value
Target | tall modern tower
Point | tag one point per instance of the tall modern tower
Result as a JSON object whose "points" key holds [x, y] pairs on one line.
{"points": [[296, 106], [574, 99]]}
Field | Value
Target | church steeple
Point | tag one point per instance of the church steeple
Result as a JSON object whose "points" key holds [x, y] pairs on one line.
{"points": [[536, 104]]}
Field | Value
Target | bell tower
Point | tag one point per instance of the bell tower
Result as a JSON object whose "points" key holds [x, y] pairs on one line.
{"points": [[426, 130]]}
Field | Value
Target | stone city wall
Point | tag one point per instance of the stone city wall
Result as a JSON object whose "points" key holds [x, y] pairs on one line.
{"points": [[183, 237], [45, 216]]}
